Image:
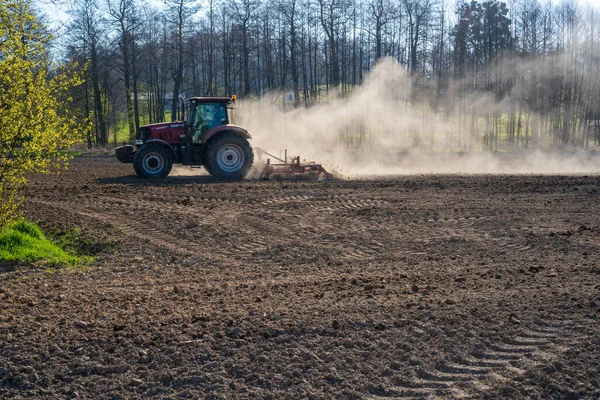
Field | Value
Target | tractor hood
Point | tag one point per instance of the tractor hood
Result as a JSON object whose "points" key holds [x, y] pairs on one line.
{"points": [[166, 131], [164, 125]]}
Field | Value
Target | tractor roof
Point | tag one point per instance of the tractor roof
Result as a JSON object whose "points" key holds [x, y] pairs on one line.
{"points": [[210, 99]]}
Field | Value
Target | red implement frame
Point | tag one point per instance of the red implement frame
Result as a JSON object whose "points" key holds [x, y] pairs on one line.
{"points": [[295, 168]]}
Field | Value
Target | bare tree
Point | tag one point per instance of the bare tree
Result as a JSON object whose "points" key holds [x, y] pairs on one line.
{"points": [[329, 12], [87, 30], [380, 12], [180, 12], [418, 13], [123, 17]]}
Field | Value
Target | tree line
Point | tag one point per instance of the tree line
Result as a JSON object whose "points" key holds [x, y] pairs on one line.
{"points": [[536, 64]]}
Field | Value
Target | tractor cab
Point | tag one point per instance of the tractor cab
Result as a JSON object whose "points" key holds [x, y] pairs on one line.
{"points": [[206, 113]]}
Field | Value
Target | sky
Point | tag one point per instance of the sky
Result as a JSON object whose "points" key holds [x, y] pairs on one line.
{"points": [[57, 10]]}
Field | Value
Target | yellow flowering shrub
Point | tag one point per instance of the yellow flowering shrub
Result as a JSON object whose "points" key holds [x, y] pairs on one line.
{"points": [[35, 123]]}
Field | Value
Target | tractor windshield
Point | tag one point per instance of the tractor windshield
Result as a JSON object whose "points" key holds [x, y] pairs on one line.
{"points": [[206, 116]]}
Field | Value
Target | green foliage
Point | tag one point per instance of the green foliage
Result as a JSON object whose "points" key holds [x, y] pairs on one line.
{"points": [[28, 229], [22, 241], [34, 106]]}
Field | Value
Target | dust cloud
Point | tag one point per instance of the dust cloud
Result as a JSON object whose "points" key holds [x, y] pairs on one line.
{"points": [[181, 170], [383, 130]]}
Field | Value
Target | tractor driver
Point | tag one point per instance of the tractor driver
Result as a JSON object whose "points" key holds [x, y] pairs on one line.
{"points": [[202, 121], [207, 117]]}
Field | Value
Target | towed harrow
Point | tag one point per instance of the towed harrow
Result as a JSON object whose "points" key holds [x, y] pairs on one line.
{"points": [[292, 167]]}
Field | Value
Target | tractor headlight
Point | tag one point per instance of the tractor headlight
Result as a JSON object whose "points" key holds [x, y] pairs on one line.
{"points": [[139, 142]]}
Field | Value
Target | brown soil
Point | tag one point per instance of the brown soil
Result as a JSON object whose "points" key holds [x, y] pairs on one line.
{"points": [[416, 286]]}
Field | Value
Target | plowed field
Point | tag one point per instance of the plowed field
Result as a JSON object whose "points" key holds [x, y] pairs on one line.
{"points": [[424, 286]]}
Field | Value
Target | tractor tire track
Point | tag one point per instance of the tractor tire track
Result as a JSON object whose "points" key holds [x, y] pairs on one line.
{"points": [[134, 227], [493, 360]]}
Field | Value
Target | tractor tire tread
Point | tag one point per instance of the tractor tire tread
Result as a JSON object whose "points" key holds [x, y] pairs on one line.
{"points": [[210, 163], [138, 158]]}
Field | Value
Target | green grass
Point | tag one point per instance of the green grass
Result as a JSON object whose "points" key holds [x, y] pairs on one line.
{"points": [[23, 241], [70, 153]]}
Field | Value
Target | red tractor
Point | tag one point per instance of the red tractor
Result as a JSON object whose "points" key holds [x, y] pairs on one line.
{"points": [[206, 139]]}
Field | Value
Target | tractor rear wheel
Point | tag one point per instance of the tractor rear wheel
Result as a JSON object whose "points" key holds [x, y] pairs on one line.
{"points": [[152, 161], [228, 156]]}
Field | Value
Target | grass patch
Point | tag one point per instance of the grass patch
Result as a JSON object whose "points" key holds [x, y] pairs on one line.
{"points": [[68, 153], [77, 241], [24, 241]]}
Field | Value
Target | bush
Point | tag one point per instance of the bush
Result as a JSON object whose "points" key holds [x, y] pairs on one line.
{"points": [[34, 105]]}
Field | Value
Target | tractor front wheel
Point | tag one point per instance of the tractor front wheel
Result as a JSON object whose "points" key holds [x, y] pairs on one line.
{"points": [[152, 161], [228, 156]]}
